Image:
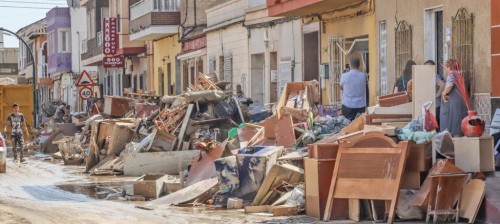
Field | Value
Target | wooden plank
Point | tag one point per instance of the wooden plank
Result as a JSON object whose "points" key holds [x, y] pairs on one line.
{"points": [[258, 208], [424, 88], [184, 126], [471, 199], [278, 173], [354, 209], [269, 125], [357, 125], [406, 108], [285, 134], [285, 210]]}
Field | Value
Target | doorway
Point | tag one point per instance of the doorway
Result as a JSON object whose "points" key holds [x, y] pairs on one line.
{"points": [[161, 82], [311, 56], [434, 37], [169, 79], [257, 77], [273, 88]]}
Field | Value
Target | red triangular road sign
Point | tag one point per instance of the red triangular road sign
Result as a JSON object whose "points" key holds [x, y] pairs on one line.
{"points": [[85, 79]]}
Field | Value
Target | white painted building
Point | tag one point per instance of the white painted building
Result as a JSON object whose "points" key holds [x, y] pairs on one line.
{"points": [[227, 43], [274, 51], [79, 33]]}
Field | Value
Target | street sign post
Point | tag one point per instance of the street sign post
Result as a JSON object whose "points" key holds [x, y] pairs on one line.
{"points": [[86, 92], [85, 79]]}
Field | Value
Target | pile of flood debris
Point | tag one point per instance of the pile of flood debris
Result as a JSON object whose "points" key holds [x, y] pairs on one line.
{"points": [[197, 148]]}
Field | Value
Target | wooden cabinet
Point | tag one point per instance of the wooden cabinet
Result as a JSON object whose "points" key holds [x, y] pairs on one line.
{"points": [[474, 154]]}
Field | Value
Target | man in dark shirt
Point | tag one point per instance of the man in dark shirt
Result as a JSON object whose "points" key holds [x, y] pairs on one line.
{"points": [[17, 122]]}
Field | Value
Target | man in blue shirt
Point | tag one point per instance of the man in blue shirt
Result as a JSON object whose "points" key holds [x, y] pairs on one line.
{"points": [[353, 85]]}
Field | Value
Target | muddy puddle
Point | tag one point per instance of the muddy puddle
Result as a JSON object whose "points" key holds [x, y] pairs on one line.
{"points": [[115, 191]]}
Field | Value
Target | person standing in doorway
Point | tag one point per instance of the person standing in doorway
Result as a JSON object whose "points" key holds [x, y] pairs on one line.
{"points": [[17, 122], [353, 86]]}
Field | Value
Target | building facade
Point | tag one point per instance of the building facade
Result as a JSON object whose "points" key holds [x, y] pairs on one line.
{"points": [[449, 29], [36, 37], [59, 53], [333, 31], [157, 23], [193, 56], [227, 43], [274, 44], [8, 62]]}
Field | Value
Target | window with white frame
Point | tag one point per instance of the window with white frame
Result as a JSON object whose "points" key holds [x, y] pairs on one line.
{"points": [[64, 42]]}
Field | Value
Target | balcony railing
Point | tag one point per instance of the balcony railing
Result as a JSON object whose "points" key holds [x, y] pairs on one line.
{"points": [[99, 39], [146, 6]]}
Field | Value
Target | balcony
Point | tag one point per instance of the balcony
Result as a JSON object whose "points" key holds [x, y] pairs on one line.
{"points": [[304, 7], [154, 19]]}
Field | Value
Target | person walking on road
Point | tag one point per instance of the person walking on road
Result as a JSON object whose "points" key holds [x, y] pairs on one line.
{"points": [[17, 122], [353, 86]]}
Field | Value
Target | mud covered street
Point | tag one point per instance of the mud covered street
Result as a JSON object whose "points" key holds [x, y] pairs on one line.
{"points": [[44, 192]]}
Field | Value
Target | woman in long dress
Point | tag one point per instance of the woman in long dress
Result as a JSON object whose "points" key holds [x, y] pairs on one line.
{"points": [[453, 108]]}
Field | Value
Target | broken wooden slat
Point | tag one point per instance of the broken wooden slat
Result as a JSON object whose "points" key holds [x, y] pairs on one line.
{"points": [[278, 174], [285, 134], [187, 115]]}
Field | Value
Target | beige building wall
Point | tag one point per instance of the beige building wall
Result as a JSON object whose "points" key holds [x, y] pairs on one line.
{"points": [[227, 36], [231, 40], [414, 13], [284, 41]]}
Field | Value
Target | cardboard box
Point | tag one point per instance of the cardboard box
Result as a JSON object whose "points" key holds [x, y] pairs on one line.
{"points": [[474, 154], [285, 106], [150, 185]]}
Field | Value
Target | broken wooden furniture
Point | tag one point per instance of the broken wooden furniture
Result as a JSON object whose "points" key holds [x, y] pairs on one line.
{"points": [[393, 99], [281, 210], [296, 99], [474, 154], [117, 106], [378, 119], [418, 163], [137, 164], [442, 166], [150, 185], [202, 83], [444, 197], [369, 168], [170, 119], [277, 176], [471, 199], [318, 177]]}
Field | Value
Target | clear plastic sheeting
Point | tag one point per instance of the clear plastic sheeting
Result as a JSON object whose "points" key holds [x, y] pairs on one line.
{"points": [[443, 144], [297, 198]]}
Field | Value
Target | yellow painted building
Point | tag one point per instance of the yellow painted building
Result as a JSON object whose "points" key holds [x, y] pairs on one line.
{"points": [[164, 80], [341, 30]]}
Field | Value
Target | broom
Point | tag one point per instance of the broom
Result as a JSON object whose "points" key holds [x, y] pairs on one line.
{"points": [[460, 84]]}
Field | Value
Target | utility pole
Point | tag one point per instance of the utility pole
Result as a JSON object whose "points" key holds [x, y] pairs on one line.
{"points": [[35, 95]]}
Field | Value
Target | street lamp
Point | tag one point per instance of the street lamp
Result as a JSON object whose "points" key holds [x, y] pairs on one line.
{"points": [[35, 101]]}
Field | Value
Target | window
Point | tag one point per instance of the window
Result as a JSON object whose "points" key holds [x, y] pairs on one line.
{"points": [[383, 57], [462, 42], [64, 41], [403, 46], [228, 67]]}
